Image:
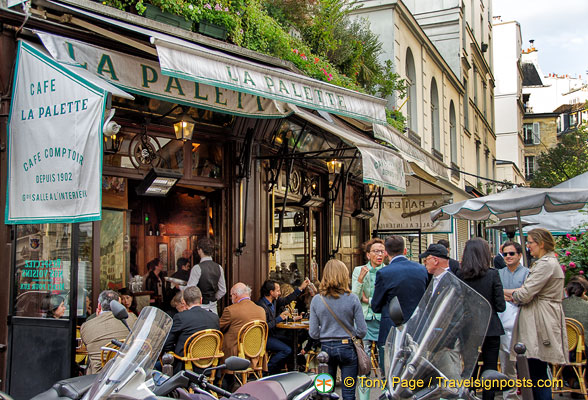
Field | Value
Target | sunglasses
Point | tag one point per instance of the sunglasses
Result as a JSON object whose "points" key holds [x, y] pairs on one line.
{"points": [[509, 253]]}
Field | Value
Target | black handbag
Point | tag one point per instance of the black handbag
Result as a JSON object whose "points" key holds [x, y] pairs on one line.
{"points": [[364, 364]]}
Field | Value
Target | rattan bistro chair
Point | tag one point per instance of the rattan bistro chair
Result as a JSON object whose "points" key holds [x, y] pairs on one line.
{"points": [[374, 358], [202, 350], [576, 346], [106, 356], [251, 342]]}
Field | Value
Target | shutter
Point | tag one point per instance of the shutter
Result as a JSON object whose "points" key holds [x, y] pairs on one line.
{"points": [[536, 133], [462, 236], [439, 236]]}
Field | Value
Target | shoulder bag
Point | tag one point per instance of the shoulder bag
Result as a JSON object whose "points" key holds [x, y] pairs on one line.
{"points": [[364, 364]]}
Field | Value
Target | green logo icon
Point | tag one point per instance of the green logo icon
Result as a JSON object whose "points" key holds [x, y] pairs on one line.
{"points": [[324, 383]]}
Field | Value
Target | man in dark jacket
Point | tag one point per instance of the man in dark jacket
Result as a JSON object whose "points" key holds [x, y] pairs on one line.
{"points": [[402, 278], [274, 305], [498, 261], [187, 323], [453, 264]]}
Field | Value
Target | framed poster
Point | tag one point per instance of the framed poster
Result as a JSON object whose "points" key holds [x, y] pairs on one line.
{"points": [[113, 257], [178, 245], [163, 256]]}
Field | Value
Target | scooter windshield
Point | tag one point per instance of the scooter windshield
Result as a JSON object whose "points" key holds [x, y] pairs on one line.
{"points": [[137, 355], [434, 354]]}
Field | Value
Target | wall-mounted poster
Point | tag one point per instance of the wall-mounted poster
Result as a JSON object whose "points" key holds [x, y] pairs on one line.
{"points": [[113, 257], [163, 256], [114, 192], [178, 245]]}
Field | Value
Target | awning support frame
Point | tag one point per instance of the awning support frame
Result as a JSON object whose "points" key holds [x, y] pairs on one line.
{"points": [[341, 185], [244, 166]]}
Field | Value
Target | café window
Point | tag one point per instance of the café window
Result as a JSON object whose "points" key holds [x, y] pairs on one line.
{"points": [[43, 270], [146, 138], [291, 265], [206, 160]]}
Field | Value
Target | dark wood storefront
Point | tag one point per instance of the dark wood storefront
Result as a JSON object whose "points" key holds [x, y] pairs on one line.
{"points": [[261, 213]]}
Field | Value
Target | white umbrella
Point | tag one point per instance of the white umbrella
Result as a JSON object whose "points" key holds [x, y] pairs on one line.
{"points": [[563, 222], [514, 202], [509, 226]]}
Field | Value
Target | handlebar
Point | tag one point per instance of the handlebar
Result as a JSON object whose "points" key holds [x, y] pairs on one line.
{"points": [[199, 380]]}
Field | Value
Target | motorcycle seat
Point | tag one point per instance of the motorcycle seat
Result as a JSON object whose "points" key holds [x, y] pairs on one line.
{"points": [[263, 389], [293, 383], [71, 388]]}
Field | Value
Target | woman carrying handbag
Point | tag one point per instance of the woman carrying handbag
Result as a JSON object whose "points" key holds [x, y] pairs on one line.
{"points": [[336, 318]]}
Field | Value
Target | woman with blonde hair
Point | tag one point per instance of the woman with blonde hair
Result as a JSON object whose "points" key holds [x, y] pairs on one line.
{"points": [[336, 299], [541, 323]]}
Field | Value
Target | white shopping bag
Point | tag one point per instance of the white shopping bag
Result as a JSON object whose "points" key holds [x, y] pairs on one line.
{"points": [[508, 318]]}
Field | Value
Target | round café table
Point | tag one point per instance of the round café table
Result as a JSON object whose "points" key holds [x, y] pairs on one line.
{"points": [[301, 324]]}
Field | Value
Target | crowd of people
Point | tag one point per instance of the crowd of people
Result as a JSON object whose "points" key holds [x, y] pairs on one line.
{"points": [[528, 305]]}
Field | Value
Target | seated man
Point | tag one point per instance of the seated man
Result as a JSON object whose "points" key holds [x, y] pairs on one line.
{"points": [[183, 271], [242, 311], [186, 323], [100, 330], [274, 305]]}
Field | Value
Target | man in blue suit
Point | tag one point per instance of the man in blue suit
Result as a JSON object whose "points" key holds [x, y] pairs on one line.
{"points": [[402, 278]]}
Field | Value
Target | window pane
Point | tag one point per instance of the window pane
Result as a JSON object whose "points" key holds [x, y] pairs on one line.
{"points": [[207, 160], [290, 257], [43, 260], [85, 271]]}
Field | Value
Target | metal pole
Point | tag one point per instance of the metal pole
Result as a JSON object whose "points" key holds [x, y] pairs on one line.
{"points": [[522, 238]]}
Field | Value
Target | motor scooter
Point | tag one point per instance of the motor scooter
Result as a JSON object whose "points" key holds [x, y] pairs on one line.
{"points": [[130, 375], [433, 354]]}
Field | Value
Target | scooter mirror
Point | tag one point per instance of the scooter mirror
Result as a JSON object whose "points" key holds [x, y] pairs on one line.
{"points": [[236, 363], [118, 310], [395, 312]]}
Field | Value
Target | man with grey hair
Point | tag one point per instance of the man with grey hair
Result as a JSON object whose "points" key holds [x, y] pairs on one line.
{"points": [[99, 331], [187, 323], [242, 311]]}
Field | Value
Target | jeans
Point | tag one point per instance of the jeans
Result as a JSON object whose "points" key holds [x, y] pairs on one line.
{"points": [[343, 356], [489, 357], [538, 370], [281, 352]]}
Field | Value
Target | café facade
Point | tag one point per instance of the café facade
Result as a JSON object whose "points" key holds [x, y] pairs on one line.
{"points": [[126, 140]]}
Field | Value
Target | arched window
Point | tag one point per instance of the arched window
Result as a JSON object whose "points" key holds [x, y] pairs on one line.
{"points": [[435, 128], [411, 104], [453, 133]]}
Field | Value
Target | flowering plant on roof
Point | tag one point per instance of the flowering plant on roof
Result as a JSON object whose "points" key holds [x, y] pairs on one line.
{"points": [[224, 13], [572, 253]]}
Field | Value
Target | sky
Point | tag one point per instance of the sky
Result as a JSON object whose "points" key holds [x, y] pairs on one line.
{"points": [[558, 28]]}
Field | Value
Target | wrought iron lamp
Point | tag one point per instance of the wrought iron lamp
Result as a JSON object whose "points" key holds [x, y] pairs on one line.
{"points": [[112, 143], [110, 130], [184, 126], [368, 200]]}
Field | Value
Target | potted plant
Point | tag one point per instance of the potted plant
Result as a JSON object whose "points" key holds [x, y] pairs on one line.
{"points": [[157, 14], [216, 19]]}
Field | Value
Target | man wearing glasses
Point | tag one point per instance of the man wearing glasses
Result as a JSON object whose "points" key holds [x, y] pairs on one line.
{"points": [[512, 277]]}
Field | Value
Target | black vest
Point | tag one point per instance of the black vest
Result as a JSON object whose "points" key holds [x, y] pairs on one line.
{"points": [[208, 283]]}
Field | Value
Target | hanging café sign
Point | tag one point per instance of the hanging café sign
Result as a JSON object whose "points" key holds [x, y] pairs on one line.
{"points": [[54, 142], [144, 77], [191, 75]]}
